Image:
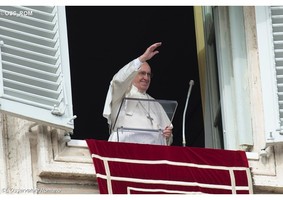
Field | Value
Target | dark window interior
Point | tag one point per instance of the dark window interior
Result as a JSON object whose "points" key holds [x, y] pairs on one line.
{"points": [[102, 39]]}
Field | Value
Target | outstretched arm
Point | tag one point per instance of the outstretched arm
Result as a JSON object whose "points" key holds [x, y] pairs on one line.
{"points": [[150, 52]]}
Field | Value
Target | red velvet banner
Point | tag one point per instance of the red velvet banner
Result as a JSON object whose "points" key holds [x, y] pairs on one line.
{"points": [[127, 168]]}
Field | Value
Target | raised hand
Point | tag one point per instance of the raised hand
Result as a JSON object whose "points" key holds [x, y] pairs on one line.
{"points": [[150, 52]]}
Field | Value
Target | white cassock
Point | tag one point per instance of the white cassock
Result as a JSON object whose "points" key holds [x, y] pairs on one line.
{"points": [[134, 114]]}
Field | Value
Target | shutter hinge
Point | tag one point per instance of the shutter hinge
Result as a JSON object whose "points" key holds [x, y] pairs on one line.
{"points": [[56, 111], [71, 121], [273, 136], [280, 131]]}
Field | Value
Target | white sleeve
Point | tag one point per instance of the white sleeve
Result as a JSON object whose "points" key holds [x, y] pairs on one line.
{"points": [[137, 63], [120, 82]]}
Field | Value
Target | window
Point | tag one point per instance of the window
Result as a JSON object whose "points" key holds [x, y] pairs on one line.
{"points": [[35, 77], [100, 43]]}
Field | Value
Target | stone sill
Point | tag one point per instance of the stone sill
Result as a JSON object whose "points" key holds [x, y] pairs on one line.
{"points": [[83, 144]]}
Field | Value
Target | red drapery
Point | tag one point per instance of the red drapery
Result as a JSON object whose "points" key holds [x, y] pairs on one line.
{"points": [[126, 168]]}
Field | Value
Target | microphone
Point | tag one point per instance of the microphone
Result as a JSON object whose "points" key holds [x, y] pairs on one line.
{"points": [[185, 110]]}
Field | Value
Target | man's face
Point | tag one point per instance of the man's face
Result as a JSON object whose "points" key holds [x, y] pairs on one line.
{"points": [[143, 78]]}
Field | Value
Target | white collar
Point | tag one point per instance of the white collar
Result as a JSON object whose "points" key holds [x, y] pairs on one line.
{"points": [[134, 92]]}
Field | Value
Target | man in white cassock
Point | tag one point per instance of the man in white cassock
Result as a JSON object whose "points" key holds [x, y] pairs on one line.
{"points": [[132, 81]]}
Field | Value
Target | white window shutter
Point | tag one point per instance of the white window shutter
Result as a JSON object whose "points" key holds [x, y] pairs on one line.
{"points": [[34, 70], [277, 30], [270, 44]]}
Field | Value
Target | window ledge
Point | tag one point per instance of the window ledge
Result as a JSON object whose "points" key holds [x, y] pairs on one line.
{"points": [[252, 155], [77, 143], [83, 144]]}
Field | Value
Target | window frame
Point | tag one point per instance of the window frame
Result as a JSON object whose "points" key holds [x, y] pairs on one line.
{"points": [[237, 125]]}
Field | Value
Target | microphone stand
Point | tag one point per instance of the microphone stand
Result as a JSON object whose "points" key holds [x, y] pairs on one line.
{"points": [[185, 110]]}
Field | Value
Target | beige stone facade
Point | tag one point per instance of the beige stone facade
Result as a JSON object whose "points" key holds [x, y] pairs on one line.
{"points": [[35, 159]]}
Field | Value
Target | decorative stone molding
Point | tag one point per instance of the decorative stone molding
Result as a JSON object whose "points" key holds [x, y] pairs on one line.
{"points": [[56, 159]]}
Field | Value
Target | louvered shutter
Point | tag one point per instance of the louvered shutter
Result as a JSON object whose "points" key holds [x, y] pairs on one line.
{"points": [[35, 74], [277, 35], [269, 25]]}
